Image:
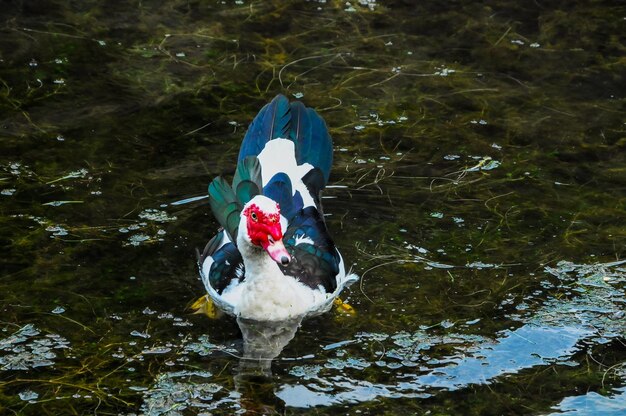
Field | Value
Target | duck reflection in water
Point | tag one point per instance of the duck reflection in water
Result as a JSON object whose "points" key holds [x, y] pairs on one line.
{"points": [[263, 341]]}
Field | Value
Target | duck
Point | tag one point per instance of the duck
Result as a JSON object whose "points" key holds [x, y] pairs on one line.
{"points": [[273, 258]]}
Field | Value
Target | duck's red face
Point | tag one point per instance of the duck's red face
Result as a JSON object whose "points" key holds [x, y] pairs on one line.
{"points": [[264, 230]]}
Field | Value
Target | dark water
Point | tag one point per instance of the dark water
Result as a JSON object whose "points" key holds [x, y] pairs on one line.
{"points": [[479, 190]]}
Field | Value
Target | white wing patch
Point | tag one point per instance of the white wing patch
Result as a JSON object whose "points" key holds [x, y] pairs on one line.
{"points": [[239, 271], [303, 239], [279, 155]]}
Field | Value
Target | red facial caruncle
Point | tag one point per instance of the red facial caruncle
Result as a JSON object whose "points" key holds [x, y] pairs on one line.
{"points": [[264, 230]]}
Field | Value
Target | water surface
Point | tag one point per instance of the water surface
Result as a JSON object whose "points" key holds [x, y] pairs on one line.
{"points": [[478, 189]]}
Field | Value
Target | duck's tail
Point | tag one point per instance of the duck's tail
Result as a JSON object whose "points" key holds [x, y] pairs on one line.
{"points": [[295, 122]]}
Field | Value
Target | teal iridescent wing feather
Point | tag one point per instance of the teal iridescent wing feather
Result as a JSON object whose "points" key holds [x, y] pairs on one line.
{"points": [[247, 180], [225, 206]]}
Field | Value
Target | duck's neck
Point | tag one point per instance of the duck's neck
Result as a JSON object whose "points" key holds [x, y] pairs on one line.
{"points": [[257, 262]]}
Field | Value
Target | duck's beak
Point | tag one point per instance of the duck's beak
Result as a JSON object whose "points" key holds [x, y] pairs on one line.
{"points": [[277, 251]]}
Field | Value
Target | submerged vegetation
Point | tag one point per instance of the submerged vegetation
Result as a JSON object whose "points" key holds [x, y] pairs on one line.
{"points": [[478, 189]]}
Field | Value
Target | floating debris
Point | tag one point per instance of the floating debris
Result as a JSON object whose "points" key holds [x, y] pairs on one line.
{"points": [[420, 250], [57, 230], [370, 4], [436, 214], [80, 173], [148, 311], [205, 347], [598, 304], [8, 191], [446, 324], [143, 335], [443, 71], [305, 372], [58, 310], [351, 362], [28, 395], [26, 349], [136, 239], [181, 322], [438, 265], [156, 350], [492, 164], [17, 169], [175, 392], [59, 203], [485, 163], [156, 215], [480, 265], [186, 200]]}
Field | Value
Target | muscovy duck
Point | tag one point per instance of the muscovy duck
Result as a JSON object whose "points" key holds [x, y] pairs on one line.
{"points": [[274, 259]]}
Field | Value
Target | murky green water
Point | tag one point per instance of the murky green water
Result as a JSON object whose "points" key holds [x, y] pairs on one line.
{"points": [[479, 191]]}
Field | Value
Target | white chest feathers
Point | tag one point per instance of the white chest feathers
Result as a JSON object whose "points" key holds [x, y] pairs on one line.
{"points": [[273, 297]]}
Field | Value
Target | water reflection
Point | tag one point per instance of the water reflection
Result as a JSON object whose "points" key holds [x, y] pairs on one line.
{"points": [[262, 343], [592, 404], [524, 348], [555, 330]]}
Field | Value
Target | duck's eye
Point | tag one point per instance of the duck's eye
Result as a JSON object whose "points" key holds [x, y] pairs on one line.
{"points": [[253, 216]]}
